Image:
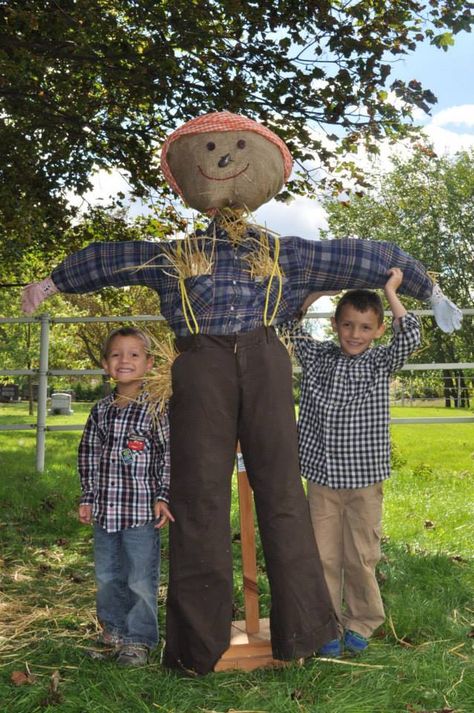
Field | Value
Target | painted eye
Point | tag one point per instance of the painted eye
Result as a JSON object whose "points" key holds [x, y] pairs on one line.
{"points": [[210, 146], [241, 144]]}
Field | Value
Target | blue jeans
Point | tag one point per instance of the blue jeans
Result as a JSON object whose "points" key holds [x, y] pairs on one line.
{"points": [[127, 570]]}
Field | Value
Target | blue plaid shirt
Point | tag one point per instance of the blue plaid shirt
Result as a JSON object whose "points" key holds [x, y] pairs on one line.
{"points": [[124, 463], [229, 300]]}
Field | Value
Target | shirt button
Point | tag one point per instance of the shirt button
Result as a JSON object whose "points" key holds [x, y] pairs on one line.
{"points": [[231, 309], [234, 282]]}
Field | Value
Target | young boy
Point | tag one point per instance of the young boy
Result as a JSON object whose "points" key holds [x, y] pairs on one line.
{"points": [[124, 472], [344, 445]]}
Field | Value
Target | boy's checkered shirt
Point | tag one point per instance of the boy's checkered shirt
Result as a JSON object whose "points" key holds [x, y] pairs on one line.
{"points": [[343, 426], [124, 463]]}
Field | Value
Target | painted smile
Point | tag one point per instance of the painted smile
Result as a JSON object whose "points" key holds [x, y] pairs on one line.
{"points": [[227, 178]]}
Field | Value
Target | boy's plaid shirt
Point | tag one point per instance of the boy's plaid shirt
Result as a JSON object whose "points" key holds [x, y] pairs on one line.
{"points": [[124, 464], [229, 300], [344, 417]]}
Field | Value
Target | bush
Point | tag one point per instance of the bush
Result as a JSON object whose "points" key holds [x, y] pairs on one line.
{"points": [[88, 392]]}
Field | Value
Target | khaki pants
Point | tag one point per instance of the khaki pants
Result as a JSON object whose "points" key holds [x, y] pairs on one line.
{"points": [[347, 526], [228, 389]]}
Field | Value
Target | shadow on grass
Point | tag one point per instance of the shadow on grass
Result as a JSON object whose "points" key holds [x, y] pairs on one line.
{"points": [[427, 596]]}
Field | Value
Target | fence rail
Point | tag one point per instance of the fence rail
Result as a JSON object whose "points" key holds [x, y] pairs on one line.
{"points": [[43, 372]]}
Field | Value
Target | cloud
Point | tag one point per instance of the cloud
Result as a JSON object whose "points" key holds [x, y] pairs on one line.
{"points": [[450, 140], [105, 184], [304, 217], [462, 115]]}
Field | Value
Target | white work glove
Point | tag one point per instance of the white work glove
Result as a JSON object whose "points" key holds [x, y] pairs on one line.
{"points": [[448, 317], [35, 293]]}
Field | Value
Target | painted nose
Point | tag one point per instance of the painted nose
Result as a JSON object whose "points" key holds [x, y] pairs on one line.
{"points": [[224, 160]]}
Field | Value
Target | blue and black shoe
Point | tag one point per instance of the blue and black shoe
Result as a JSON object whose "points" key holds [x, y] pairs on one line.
{"points": [[331, 650], [354, 643]]}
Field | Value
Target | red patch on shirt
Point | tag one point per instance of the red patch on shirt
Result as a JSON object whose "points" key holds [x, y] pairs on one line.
{"points": [[136, 443]]}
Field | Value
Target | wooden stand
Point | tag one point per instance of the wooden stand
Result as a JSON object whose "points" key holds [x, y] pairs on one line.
{"points": [[250, 646]]}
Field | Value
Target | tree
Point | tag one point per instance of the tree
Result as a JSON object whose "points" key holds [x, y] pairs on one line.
{"points": [[88, 84], [78, 346], [426, 206]]}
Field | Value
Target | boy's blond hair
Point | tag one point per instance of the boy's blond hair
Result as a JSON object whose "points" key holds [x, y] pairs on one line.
{"points": [[126, 332]]}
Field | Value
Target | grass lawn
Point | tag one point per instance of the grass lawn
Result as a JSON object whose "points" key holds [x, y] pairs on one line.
{"points": [[419, 662]]}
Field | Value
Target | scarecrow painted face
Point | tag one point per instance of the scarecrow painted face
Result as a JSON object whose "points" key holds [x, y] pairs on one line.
{"points": [[224, 160], [231, 168]]}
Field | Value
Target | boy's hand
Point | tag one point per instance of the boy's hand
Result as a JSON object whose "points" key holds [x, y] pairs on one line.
{"points": [[395, 279], [85, 514], [162, 514]]}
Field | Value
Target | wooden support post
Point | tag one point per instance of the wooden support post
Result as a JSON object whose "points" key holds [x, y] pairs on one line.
{"points": [[249, 555], [250, 645]]}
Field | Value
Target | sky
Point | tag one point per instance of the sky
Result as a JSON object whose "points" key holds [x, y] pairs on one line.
{"points": [[450, 127]]}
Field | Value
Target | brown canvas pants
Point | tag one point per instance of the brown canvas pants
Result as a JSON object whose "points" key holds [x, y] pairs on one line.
{"points": [[228, 389], [347, 525]]}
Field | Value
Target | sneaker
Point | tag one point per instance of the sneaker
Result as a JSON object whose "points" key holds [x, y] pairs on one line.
{"points": [[105, 647], [332, 650], [354, 643], [133, 655], [107, 639]]}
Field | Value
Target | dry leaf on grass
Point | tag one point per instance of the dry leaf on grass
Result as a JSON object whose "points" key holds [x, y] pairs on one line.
{"points": [[20, 678], [54, 697]]}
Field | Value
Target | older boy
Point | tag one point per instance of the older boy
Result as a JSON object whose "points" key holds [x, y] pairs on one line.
{"points": [[344, 445], [124, 474]]}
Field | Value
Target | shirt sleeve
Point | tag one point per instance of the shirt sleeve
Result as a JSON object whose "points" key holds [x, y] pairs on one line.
{"points": [[350, 263], [163, 435], [406, 339], [118, 264], [89, 452]]}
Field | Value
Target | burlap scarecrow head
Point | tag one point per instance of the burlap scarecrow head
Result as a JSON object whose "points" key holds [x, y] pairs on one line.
{"points": [[224, 160]]}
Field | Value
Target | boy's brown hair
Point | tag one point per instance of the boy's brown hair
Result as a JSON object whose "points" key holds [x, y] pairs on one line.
{"points": [[362, 301], [125, 332]]}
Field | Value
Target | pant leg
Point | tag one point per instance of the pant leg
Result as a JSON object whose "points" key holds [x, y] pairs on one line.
{"points": [[203, 427], [111, 593], [301, 618], [141, 564], [362, 533], [327, 513]]}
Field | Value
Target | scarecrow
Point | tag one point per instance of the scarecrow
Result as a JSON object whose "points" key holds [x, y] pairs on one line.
{"points": [[222, 291]]}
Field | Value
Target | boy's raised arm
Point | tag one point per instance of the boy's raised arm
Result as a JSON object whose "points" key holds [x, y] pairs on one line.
{"points": [[391, 286]]}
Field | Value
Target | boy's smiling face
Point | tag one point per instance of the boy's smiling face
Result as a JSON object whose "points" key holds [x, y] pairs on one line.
{"points": [[127, 360], [356, 330]]}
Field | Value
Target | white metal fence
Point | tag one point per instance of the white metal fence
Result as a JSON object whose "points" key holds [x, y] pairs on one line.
{"points": [[43, 372]]}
